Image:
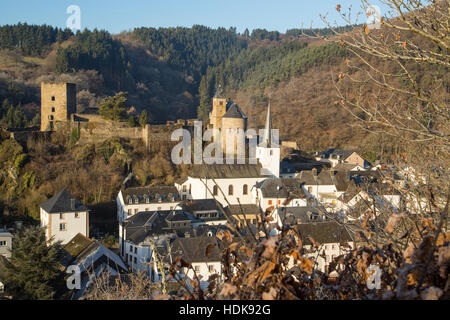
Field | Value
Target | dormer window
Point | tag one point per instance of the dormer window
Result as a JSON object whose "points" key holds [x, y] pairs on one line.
{"points": [[136, 200], [130, 201]]}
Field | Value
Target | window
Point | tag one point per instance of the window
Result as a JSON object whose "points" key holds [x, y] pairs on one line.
{"points": [[190, 188], [135, 250], [310, 189], [245, 189], [129, 211], [271, 152], [136, 200], [135, 211], [215, 190], [184, 188], [279, 201], [211, 269], [3, 243], [197, 268], [131, 258], [53, 109], [61, 216], [269, 202], [62, 227], [131, 248], [53, 98], [135, 260], [77, 215], [230, 190]]}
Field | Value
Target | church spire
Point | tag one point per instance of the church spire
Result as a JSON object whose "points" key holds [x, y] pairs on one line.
{"points": [[268, 129]]}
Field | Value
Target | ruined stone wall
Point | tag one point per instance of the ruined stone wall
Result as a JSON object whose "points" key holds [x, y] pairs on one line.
{"points": [[94, 129]]}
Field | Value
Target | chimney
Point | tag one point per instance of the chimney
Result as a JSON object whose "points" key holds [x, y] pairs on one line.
{"points": [[72, 204]]}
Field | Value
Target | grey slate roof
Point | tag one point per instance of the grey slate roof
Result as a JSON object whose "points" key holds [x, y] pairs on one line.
{"points": [[201, 205], [323, 232], [289, 187], [324, 177], [236, 209], [294, 215], [234, 112], [166, 194], [61, 203], [344, 154], [221, 171], [154, 223], [194, 249]]}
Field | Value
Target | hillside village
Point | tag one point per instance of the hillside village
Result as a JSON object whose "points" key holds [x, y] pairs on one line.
{"points": [[201, 163], [321, 196]]}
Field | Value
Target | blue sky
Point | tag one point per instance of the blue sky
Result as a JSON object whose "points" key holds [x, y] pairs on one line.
{"points": [[119, 15]]}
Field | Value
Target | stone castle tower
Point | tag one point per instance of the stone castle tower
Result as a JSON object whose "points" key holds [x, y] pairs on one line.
{"points": [[229, 119], [58, 103], [218, 110]]}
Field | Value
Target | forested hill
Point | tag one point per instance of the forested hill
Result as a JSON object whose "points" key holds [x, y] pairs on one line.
{"points": [[173, 73]]}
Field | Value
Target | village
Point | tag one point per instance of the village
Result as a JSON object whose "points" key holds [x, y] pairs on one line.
{"points": [[322, 196]]}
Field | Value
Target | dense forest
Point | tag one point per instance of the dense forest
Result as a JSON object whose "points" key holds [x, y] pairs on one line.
{"points": [[172, 73], [32, 40]]}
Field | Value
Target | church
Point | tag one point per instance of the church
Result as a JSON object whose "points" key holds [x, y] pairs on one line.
{"points": [[228, 118], [233, 184]]}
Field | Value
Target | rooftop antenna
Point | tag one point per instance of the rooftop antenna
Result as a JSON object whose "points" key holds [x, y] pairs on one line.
{"points": [[218, 92]]}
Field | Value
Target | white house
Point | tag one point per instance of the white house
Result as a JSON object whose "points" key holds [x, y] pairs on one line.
{"points": [[338, 156], [325, 186], [280, 192], [64, 217], [133, 200], [334, 240], [5, 243], [204, 255]]}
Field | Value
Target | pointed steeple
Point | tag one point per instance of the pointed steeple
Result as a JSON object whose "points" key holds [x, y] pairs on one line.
{"points": [[268, 129]]}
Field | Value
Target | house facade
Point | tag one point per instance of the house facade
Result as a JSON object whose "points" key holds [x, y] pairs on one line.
{"points": [[228, 184], [130, 201], [5, 243], [64, 217]]}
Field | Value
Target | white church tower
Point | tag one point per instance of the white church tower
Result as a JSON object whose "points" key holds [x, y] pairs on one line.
{"points": [[268, 151]]}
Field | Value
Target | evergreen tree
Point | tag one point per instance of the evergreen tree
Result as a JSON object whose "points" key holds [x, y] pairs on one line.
{"points": [[113, 108], [132, 121], [34, 273], [143, 118]]}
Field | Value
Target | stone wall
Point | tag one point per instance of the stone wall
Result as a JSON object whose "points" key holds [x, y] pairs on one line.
{"points": [[94, 129]]}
